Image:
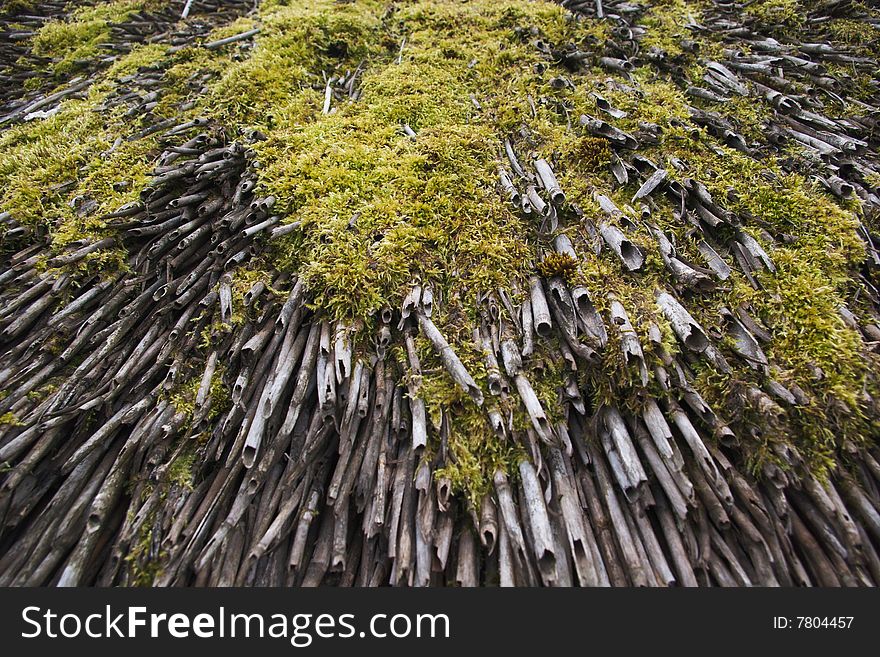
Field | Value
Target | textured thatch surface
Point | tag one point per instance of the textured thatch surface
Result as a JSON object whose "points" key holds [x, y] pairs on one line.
{"points": [[439, 293]]}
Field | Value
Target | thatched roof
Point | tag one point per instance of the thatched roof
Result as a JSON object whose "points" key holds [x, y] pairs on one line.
{"points": [[439, 293]]}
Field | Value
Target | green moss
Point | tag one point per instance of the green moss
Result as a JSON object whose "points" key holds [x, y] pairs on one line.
{"points": [[142, 568], [789, 13], [749, 117], [582, 156], [474, 451], [665, 21], [140, 57], [74, 42], [855, 33], [16, 6], [243, 279], [183, 396], [558, 264], [379, 210], [798, 302], [660, 101], [296, 44], [861, 82], [181, 470], [423, 206], [49, 167]]}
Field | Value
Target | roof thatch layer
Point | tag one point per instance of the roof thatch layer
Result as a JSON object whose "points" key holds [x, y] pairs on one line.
{"points": [[439, 293]]}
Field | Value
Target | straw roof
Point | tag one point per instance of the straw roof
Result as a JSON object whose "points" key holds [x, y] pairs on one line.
{"points": [[439, 293]]}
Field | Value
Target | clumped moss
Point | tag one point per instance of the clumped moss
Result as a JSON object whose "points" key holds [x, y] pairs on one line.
{"points": [[584, 155], [145, 562], [379, 209], [181, 470], [749, 117], [558, 264], [10, 419], [854, 33], [62, 173], [470, 452], [143, 570], [183, 396], [72, 43], [17, 6], [788, 13], [666, 24], [821, 256]]}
